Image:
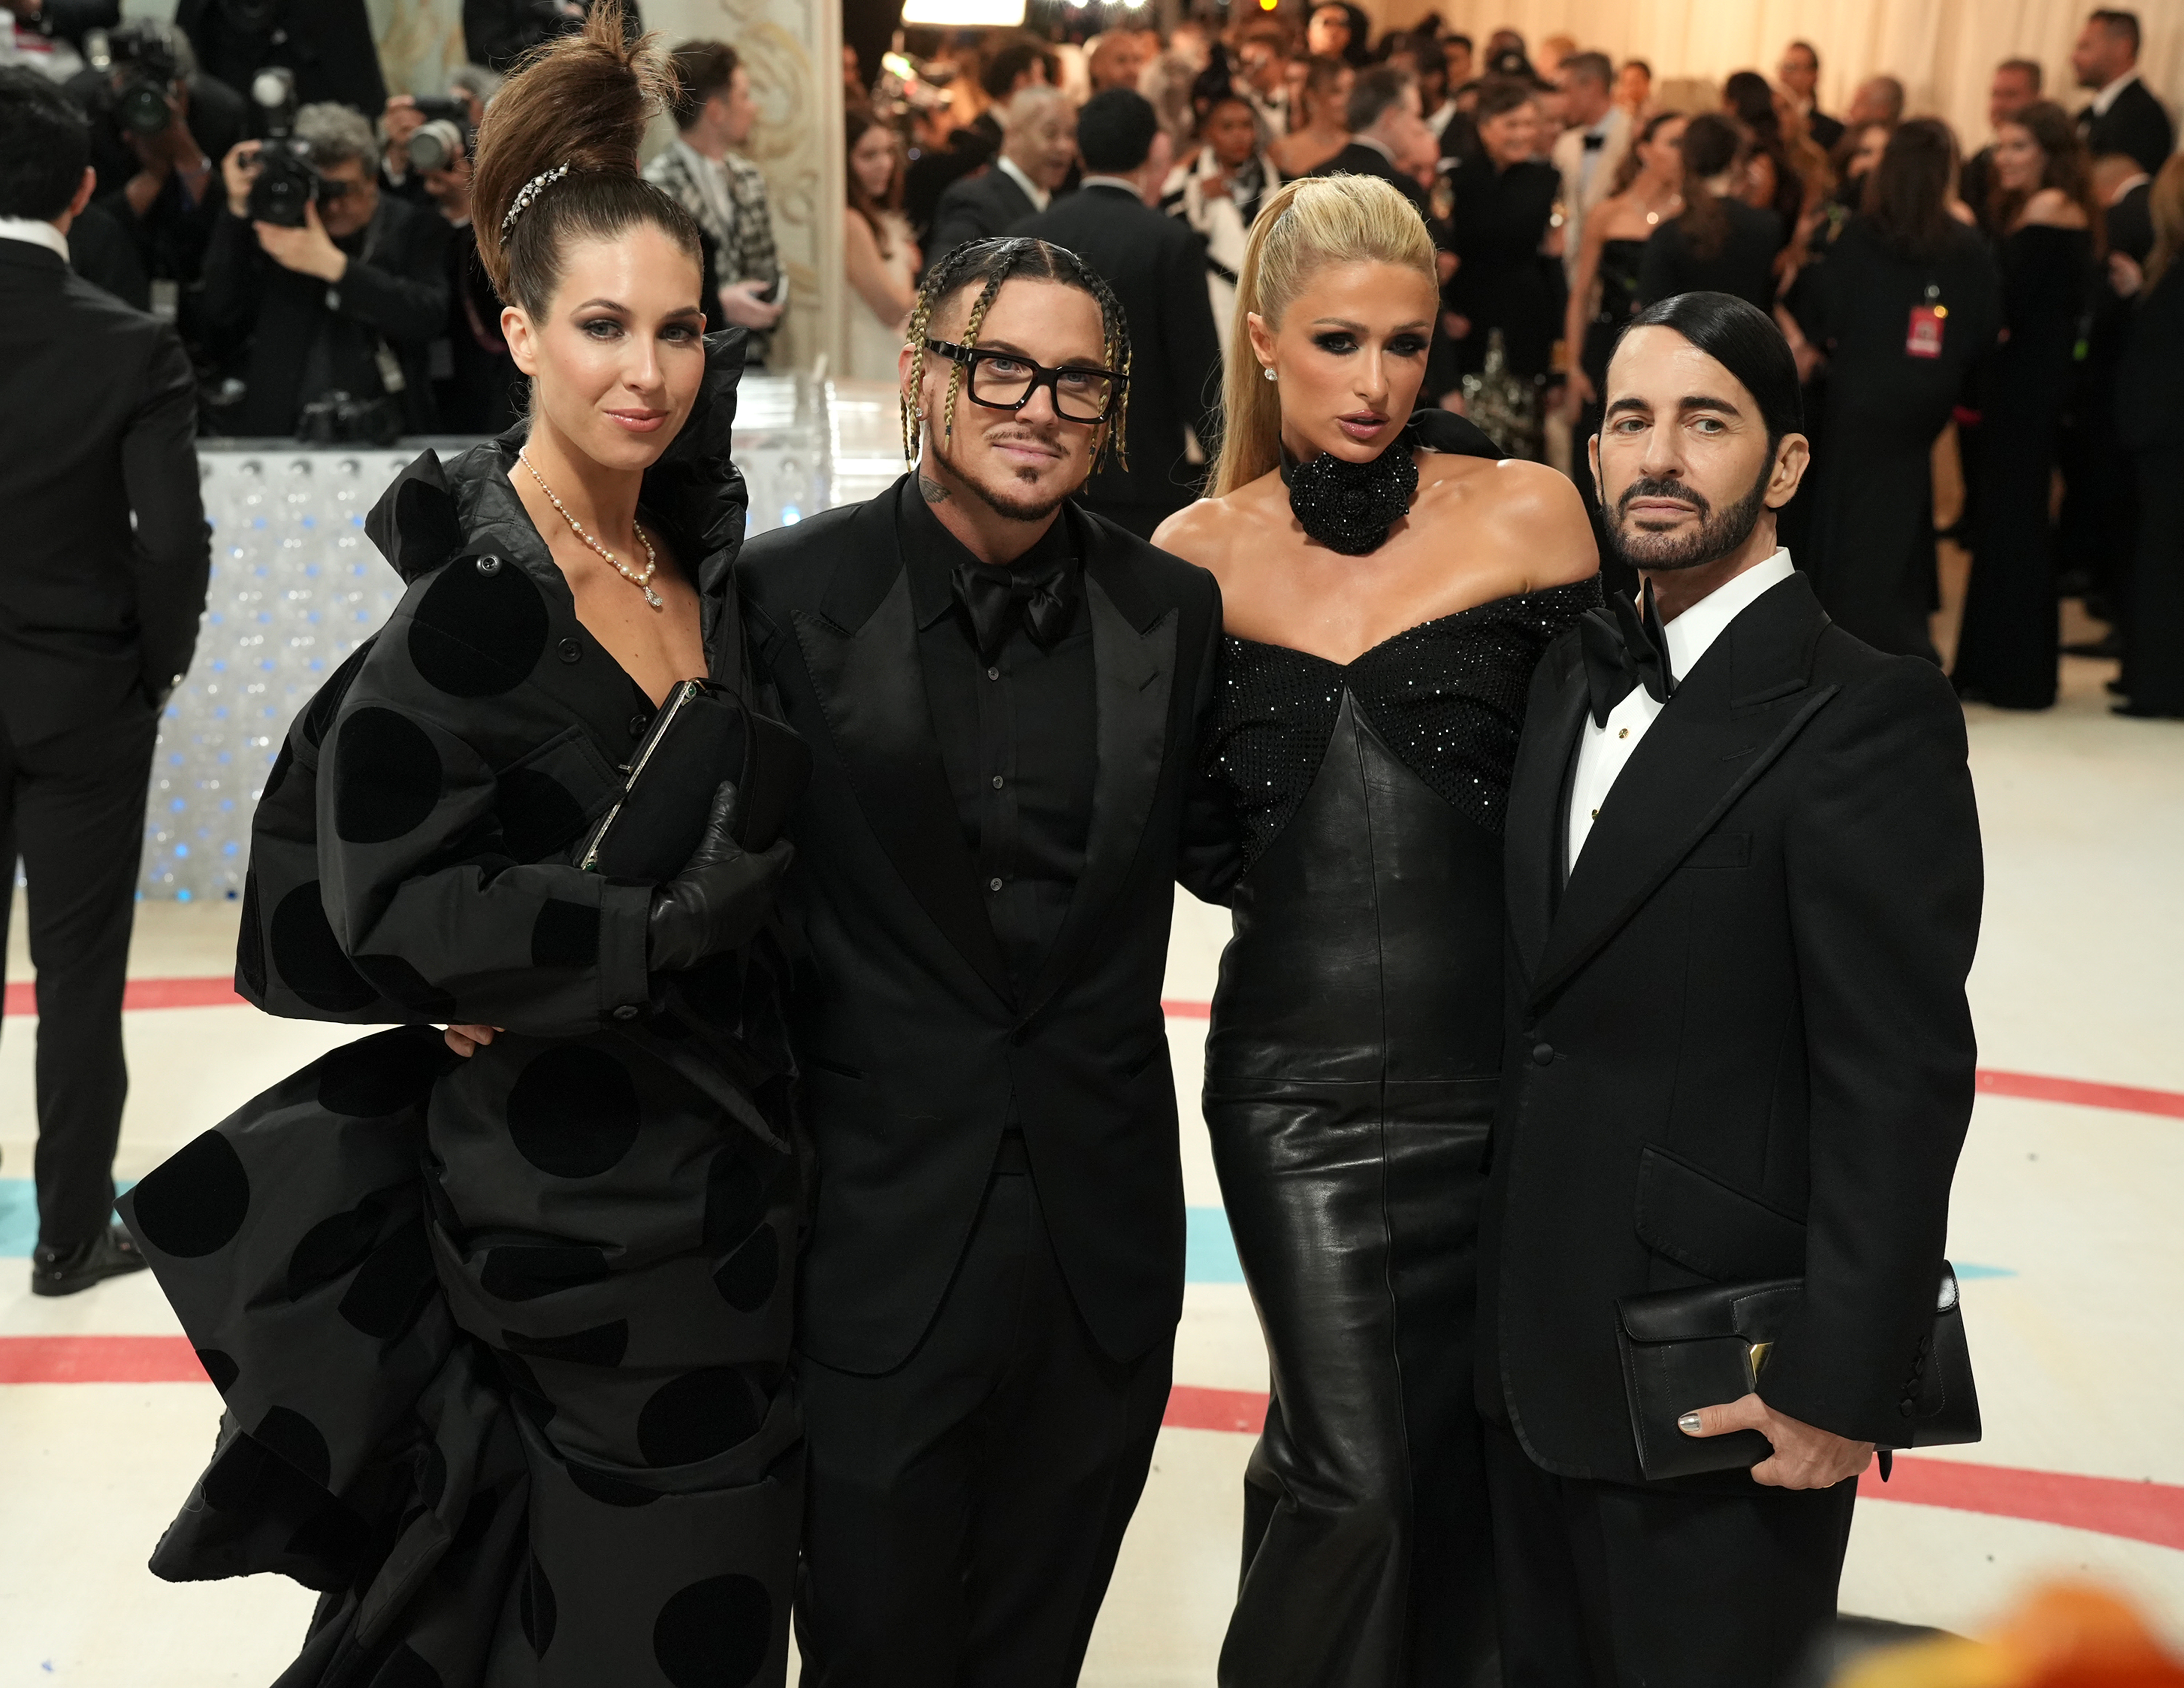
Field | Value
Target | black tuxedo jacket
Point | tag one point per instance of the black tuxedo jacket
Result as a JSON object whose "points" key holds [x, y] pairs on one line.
{"points": [[1359, 159], [2136, 124], [1156, 266], [976, 208], [1824, 129], [99, 424], [914, 1049], [1740, 1046]]}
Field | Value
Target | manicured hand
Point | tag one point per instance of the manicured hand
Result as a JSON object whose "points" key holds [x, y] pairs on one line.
{"points": [[1805, 1456]]}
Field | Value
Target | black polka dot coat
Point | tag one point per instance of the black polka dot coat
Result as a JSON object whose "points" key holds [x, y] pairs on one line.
{"points": [[503, 1342]]}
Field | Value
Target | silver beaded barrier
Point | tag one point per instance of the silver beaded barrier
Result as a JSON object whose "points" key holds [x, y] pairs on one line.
{"points": [[296, 586]]}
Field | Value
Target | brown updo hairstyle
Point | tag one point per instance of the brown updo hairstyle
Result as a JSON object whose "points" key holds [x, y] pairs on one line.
{"points": [[584, 101]]}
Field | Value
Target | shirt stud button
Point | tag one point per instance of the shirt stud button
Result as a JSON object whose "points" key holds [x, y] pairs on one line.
{"points": [[999, 782], [993, 673], [1625, 734], [993, 885], [1596, 814]]}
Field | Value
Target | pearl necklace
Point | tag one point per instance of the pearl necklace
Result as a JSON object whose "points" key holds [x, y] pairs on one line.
{"points": [[641, 582]]}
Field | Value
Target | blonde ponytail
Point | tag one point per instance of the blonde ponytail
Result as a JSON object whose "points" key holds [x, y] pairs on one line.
{"points": [[1305, 225]]}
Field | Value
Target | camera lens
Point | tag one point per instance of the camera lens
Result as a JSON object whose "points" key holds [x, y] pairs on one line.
{"points": [[435, 146], [142, 108]]}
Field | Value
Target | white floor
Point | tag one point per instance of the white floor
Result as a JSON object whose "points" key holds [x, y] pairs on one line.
{"points": [[2081, 975]]}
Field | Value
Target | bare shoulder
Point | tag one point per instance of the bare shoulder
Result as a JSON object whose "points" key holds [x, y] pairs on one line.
{"points": [[1193, 532], [1217, 533], [1525, 510], [2051, 208]]}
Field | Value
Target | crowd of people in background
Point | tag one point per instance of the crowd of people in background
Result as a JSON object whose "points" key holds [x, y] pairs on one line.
{"points": [[2026, 294]]}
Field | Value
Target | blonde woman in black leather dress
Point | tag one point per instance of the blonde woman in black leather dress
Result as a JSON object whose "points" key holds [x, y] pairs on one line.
{"points": [[1388, 585]]}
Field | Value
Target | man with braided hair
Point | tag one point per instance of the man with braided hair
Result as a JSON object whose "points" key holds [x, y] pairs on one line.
{"points": [[1006, 698]]}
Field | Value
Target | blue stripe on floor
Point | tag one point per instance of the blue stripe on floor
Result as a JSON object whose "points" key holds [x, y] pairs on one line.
{"points": [[19, 1218]]}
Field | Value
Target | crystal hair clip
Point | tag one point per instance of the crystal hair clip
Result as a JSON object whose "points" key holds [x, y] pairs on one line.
{"points": [[531, 190]]}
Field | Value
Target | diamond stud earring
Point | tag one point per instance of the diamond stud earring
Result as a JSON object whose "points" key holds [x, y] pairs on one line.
{"points": [[1268, 372]]}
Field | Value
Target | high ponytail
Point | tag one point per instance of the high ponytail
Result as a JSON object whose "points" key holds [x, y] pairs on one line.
{"points": [[582, 103], [1303, 226]]}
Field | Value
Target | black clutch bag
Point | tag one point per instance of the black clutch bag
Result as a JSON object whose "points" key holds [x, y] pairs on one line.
{"points": [[703, 734], [1684, 1348]]}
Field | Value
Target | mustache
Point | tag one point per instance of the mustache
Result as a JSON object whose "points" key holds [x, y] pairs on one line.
{"points": [[1676, 490]]}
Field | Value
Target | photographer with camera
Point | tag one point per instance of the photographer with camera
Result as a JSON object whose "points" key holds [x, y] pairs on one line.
{"points": [[448, 126], [475, 381], [157, 124], [338, 289], [326, 45], [714, 112], [102, 580]]}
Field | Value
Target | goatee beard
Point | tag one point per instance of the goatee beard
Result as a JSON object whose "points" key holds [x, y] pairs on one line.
{"points": [[1036, 507], [1716, 536]]}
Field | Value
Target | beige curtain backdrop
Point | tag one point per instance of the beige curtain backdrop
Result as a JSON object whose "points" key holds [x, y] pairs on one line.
{"points": [[1945, 51]]}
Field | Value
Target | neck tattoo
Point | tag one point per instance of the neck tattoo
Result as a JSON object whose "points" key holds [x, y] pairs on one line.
{"points": [[933, 492]]}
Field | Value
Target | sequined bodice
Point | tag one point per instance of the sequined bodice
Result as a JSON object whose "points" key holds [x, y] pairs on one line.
{"points": [[1447, 698]]}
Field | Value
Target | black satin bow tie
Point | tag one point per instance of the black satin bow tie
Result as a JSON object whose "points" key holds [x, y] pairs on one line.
{"points": [[999, 600], [1593, 143], [1623, 649]]}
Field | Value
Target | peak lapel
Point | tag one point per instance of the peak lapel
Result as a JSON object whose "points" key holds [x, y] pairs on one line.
{"points": [[1532, 840], [1738, 710], [864, 667], [1136, 676]]}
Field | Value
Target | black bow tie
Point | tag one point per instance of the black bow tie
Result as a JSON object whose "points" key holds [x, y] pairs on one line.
{"points": [[1624, 650], [998, 599], [1593, 143]]}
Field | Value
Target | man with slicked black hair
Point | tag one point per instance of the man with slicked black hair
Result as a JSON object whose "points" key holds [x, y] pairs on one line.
{"points": [[1743, 880], [102, 580]]}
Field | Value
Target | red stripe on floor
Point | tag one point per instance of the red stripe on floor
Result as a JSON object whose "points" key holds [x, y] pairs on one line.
{"points": [[2108, 1505], [98, 1360], [142, 993]]}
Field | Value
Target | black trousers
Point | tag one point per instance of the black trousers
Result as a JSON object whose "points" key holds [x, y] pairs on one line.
{"points": [[73, 807], [1604, 1585], [963, 1513], [2153, 630]]}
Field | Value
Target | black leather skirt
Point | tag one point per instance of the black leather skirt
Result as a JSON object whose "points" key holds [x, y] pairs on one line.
{"points": [[1351, 1082]]}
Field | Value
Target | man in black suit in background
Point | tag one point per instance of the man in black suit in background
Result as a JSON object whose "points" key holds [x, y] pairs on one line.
{"points": [[1744, 882], [1006, 700], [1151, 262], [1799, 73], [2125, 115], [1039, 144], [1386, 128], [98, 620]]}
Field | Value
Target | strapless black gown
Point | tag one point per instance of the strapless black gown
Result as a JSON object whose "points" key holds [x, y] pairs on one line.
{"points": [[1351, 1075]]}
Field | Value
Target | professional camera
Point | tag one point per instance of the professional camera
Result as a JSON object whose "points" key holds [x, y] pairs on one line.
{"points": [[438, 144], [285, 183], [435, 107], [143, 68], [339, 419]]}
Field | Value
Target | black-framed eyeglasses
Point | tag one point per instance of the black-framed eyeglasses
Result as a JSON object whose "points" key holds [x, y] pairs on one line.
{"points": [[1004, 381]]}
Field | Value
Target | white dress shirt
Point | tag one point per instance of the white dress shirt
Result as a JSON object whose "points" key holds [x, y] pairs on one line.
{"points": [[2107, 97], [1040, 198], [37, 233], [1603, 750]]}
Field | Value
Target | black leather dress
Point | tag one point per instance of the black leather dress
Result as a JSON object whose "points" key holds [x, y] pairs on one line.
{"points": [[1350, 1083]]}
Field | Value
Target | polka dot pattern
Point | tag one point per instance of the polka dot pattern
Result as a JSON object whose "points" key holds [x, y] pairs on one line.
{"points": [[714, 1634], [308, 958], [746, 1279], [196, 1203], [538, 813], [696, 1415], [574, 1112], [376, 1076], [519, 1271], [566, 934], [477, 635], [386, 777], [600, 1345], [391, 1289], [297, 1442]]}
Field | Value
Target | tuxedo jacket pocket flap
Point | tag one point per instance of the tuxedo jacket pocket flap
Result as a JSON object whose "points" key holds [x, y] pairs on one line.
{"points": [[1710, 1227], [1721, 850]]}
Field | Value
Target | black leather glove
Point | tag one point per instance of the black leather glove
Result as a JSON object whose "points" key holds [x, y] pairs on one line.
{"points": [[720, 899]]}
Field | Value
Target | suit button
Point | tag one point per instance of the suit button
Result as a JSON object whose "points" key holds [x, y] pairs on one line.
{"points": [[569, 650], [626, 1011], [1907, 1407], [488, 566], [1543, 1055]]}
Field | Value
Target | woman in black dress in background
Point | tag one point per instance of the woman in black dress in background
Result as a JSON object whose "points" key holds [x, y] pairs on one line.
{"points": [[2051, 230], [1386, 593], [503, 1342], [1719, 244], [1604, 282], [1903, 305], [2150, 418]]}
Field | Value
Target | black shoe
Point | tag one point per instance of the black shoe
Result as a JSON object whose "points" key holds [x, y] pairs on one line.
{"points": [[63, 1271], [2142, 713]]}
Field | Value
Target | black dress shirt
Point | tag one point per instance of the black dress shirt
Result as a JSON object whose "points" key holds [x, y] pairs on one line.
{"points": [[1016, 736]]}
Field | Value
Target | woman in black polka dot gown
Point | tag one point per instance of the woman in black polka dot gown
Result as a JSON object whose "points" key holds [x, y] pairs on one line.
{"points": [[504, 1340]]}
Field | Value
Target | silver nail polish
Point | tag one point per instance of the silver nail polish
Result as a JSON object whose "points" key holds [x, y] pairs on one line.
{"points": [[1689, 1424]]}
